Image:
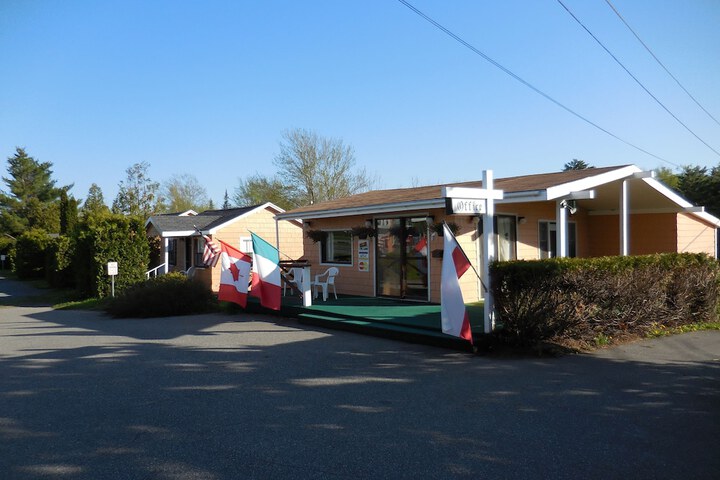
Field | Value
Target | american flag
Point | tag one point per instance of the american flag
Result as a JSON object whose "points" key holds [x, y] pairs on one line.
{"points": [[211, 254]]}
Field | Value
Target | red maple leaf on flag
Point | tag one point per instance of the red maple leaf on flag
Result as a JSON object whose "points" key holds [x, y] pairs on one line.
{"points": [[235, 272]]}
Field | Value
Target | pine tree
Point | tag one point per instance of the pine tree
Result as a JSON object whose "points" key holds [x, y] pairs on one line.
{"points": [[31, 200]]}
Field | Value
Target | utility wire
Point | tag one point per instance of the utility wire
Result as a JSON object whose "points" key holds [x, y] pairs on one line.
{"points": [[527, 84], [659, 62], [635, 78]]}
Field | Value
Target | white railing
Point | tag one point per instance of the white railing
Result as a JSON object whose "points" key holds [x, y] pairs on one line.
{"points": [[155, 271]]}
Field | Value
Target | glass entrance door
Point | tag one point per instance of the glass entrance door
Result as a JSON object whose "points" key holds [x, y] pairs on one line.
{"points": [[402, 264]]}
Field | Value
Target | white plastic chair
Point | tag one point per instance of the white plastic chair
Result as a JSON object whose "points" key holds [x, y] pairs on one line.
{"points": [[325, 280], [293, 276]]}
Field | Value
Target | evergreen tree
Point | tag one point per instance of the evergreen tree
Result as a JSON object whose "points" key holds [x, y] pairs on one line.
{"points": [[95, 202], [31, 198], [576, 164], [68, 212], [226, 201]]}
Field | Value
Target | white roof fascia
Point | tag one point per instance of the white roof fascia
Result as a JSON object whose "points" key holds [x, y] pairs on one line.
{"points": [[474, 193], [524, 197], [369, 210], [566, 189], [215, 229], [178, 233], [188, 213], [685, 204]]}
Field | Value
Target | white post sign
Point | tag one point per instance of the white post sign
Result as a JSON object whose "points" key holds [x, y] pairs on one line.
{"points": [[112, 270], [479, 202], [2, 258]]}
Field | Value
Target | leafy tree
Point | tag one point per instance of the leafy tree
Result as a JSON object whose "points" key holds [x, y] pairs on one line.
{"points": [[105, 238], [315, 169], [258, 189], [668, 177], [95, 202], [576, 164], [138, 193], [184, 192], [31, 198]]}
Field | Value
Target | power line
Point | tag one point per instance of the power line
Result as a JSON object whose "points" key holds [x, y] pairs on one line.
{"points": [[526, 83], [635, 78], [659, 62]]}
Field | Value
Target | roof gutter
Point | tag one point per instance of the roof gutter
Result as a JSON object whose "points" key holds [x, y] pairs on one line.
{"points": [[365, 210]]}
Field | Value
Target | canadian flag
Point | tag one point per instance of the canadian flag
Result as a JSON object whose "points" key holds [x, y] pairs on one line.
{"points": [[234, 275], [454, 316]]}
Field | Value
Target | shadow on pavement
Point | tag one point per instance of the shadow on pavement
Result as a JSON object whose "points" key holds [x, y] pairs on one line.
{"points": [[265, 399]]}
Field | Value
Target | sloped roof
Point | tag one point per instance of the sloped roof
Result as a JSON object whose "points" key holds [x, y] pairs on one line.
{"points": [[423, 195], [172, 224]]}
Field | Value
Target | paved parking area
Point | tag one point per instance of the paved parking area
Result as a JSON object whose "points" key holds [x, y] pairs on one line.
{"points": [[221, 397]]}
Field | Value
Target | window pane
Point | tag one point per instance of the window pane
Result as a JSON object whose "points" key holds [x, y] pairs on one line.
{"points": [[543, 234], [337, 248]]}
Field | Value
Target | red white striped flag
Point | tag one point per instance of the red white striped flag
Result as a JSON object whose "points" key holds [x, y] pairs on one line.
{"points": [[211, 254], [454, 315]]}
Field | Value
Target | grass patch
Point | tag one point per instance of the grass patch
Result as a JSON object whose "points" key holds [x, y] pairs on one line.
{"points": [[86, 304], [662, 331]]}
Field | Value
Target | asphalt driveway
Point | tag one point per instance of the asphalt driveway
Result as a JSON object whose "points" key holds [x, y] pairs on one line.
{"points": [[221, 397]]}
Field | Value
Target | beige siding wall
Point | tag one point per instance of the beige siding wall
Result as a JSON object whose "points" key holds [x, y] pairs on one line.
{"points": [[694, 235], [262, 223], [649, 233], [350, 280]]}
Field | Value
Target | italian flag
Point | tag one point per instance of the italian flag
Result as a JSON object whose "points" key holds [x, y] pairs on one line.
{"points": [[234, 275], [454, 315], [266, 273]]}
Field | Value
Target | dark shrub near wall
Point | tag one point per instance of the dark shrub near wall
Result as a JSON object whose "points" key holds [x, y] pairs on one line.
{"points": [[166, 295], [587, 299]]}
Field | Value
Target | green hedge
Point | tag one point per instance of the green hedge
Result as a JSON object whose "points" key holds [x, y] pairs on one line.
{"points": [[29, 259], [59, 254], [598, 298], [166, 295], [109, 238]]}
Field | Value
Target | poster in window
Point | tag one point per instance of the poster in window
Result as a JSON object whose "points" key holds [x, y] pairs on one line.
{"points": [[363, 255]]}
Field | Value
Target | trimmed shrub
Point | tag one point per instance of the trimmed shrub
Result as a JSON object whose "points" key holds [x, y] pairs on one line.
{"points": [[600, 298], [29, 260], [58, 262], [109, 238], [166, 295]]}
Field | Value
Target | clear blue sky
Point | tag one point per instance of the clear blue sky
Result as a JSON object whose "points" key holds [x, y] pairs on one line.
{"points": [[208, 87]]}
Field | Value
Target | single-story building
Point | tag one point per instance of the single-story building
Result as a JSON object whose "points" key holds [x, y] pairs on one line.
{"points": [[585, 213], [181, 246]]}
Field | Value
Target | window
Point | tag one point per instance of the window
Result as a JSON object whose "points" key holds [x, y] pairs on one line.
{"points": [[506, 233], [246, 245], [505, 227], [172, 251], [548, 240], [336, 248], [199, 250]]}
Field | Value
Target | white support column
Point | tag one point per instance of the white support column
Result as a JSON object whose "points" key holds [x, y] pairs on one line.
{"points": [[561, 228], [625, 218], [277, 235], [306, 292], [488, 251], [166, 254]]}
